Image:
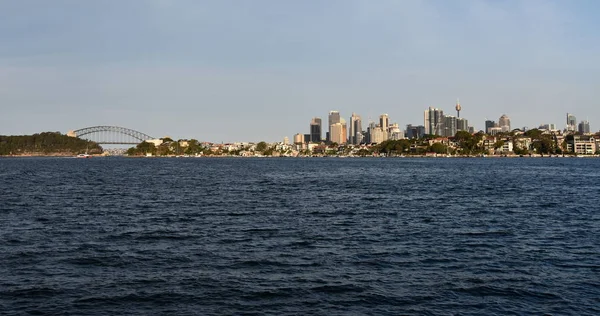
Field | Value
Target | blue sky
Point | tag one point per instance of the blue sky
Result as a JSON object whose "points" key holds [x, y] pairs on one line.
{"points": [[260, 70]]}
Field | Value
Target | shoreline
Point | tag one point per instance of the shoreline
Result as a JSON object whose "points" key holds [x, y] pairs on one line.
{"points": [[408, 156]]}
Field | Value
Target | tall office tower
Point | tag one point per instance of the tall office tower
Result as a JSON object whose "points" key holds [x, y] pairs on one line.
{"points": [[449, 126], [315, 130], [549, 127], [571, 122], [415, 131], [298, 138], [462, 124], [344, 131], [334, 118], [384, 122], [458, 108], [338, 134], [355, 129], [395, 132], [504, 123], [584, 127], [489, 124], [434, 121], [377, 135], [368, 139]]}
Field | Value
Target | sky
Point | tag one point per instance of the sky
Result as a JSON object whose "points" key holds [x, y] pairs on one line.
{"points": [[226, 71]]}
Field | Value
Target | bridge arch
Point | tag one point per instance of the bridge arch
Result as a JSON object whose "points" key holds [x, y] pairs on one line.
{"points": [[111, 135]]}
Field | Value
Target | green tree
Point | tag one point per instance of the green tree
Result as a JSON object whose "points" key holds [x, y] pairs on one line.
{"points": [[268, 151], [439, 148], [467, 142], [144, 148], [363, 152], [499, 144], [544, 145], [261, 147], [534, 133]]}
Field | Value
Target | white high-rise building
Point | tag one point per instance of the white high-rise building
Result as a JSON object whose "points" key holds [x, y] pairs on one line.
{"points": [[384, 121], [395, 132], [434, 121], [377, 135]]}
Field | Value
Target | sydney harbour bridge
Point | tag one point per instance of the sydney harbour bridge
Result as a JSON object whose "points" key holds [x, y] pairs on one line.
{"points": [[113, 135]]}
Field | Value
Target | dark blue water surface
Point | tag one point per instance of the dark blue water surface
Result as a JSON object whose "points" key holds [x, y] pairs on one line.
{"points": [[117, 236]]}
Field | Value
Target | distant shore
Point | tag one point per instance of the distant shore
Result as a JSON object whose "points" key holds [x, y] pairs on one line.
{"points": [[62, 155]]}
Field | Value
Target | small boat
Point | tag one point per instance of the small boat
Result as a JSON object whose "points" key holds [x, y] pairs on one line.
{"points": [[84, 156]]}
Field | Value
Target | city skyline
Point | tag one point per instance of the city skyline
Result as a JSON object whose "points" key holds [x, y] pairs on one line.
{"points": [[435, 122], [205, 69]]}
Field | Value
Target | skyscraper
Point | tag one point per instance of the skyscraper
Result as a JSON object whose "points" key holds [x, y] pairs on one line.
{"points": [[504, 123], [298, 138], [368, 139], [449, 126], [434, 121], [584, 127], [355, 136], [395, 133], [571, 122], [378, 135], [489, 125], [384, 121], [338, 132], [334, 118], [344, 131], [415, 131], [384, 124], [315, 130], [462, 124]]}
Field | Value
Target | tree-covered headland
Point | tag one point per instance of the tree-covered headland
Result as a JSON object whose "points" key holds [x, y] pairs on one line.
{"points": [[46, 144]]}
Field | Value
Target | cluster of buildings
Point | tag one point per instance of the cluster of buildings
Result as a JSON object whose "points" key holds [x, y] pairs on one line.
{"points": [[435, 123], [339, 131]]}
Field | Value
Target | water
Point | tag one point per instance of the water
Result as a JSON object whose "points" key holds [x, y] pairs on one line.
{"points": [[300, 236]]}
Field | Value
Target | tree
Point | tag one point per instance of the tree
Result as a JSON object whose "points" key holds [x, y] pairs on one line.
{"points": [[533, 133], [268, 151], [261, 147], [363, 152], [467, 142], [499, 144], [544, 145], [144, 148], [439, 148]]}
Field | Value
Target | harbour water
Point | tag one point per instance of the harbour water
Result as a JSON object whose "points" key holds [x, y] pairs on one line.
{"points": [[117, 236]]}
